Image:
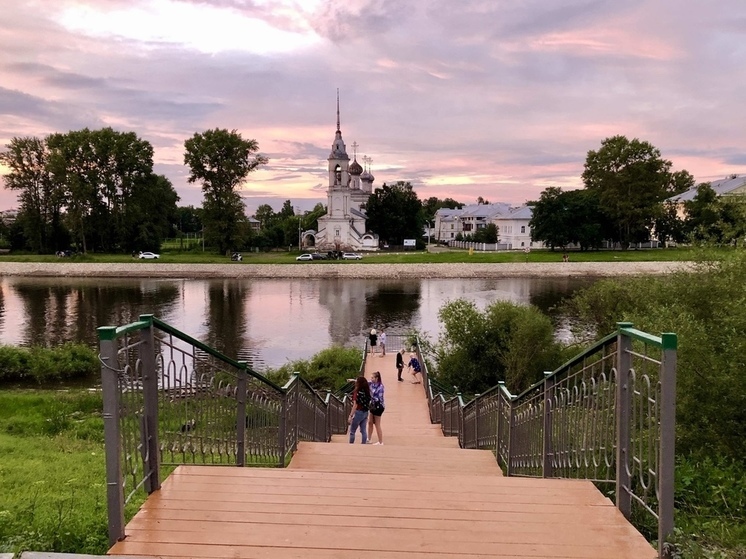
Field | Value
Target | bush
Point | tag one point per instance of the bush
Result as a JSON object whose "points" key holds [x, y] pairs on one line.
{"points": [[506, 342], [67, 362], [327, 370]]}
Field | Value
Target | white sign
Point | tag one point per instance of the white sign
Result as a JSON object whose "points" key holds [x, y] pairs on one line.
{"points": [[410, 242]]}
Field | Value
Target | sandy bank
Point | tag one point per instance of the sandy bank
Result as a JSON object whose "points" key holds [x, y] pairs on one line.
{"points": [[342, 270]]}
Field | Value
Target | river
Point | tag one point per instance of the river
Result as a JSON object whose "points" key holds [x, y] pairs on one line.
{"points": [[266, 322]]}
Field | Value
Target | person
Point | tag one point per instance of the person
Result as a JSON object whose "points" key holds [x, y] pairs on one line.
{"points": [[382, 341], [415, 368], [399, 364], [377, 407], [360, 404], [373, 338]]}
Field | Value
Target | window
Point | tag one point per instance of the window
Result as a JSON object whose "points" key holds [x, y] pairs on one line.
{"points": [[451, 235], [523, 229]]}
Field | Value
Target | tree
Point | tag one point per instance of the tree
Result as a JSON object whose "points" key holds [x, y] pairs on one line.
{"points": [[395, 213], [265, 215], [487, 234], [221, 160], [433, 204], [631, 180], [561, 218], [39, 197], [508, 342], [713, 219]]}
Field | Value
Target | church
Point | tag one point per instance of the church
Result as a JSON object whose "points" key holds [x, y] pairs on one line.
{"points": [[350, 185]]}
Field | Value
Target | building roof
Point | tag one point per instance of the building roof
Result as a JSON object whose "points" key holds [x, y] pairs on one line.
{"points": [[722, 187]]}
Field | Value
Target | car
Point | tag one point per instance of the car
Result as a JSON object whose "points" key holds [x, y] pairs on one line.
{"points": [[318, 256], [306, 256], [351, 256], [149, 256]]}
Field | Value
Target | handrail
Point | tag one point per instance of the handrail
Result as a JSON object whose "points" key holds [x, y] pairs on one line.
{"points": [[607, 415], [170, 399]]}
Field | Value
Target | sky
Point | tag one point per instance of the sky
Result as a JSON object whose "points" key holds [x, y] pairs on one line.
{"points": [[492, 98]]}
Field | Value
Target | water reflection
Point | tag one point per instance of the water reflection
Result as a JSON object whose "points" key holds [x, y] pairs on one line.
{"points": [[262, 321]]}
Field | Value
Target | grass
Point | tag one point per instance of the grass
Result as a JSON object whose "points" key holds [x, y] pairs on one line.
{"points": [[414, 257]]}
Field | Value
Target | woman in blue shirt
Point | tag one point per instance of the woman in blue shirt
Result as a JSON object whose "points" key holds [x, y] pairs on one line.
{"points": [[376, 406]]}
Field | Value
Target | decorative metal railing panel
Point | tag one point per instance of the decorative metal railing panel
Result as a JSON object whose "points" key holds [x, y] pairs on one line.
{"points": [[608, 416], [170, 399]]}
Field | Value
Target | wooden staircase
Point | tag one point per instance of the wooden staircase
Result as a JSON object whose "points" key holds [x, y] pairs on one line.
{"points": [[417, 496]]}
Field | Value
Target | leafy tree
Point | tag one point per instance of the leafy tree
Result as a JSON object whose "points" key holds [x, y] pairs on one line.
{"points": [[483, 201], [286, 211], [550, 222], [710, 218], [433, 204], [487, 234], [311, 219], [395, 213], [102, 174], [265, 215], [631, 180], [505, 342], [189, 219], [669, 226], [221, 160]]}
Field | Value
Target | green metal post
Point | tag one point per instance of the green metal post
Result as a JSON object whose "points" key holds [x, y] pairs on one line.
{"points": [[241, 386], [547, 453], [668, 441], [112, 435], [149, 424], [623, 417]]}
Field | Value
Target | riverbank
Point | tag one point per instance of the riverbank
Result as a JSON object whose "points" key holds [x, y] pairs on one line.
{"points": [[340, 270]]}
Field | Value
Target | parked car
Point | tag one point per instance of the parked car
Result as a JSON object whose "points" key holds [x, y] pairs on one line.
{"points": [[236, 257], [351, 256], [318, 256], [149, 256], [306, 256]]}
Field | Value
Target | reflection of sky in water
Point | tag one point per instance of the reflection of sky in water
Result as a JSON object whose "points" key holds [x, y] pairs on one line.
{"points": [[277, 320]]}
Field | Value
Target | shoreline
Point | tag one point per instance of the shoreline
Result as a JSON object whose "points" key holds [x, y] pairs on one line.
{"points": [[345, 270]]}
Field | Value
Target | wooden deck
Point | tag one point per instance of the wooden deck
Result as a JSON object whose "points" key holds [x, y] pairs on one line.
{"points": [[417, 496]]}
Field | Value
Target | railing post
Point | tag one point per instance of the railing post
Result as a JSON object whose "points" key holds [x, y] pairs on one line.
{"points": [[500, 384], [296, 423], [459, 420], [547, 453], [328, 416], [282, 428], [476, 421], [511, 438], [112, 440], [151, 459], [623, 412], [668, 438], [241, 386]]}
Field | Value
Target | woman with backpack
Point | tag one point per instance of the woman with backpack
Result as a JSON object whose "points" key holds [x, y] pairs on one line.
{"points": [[360, 404], [376, 407]]}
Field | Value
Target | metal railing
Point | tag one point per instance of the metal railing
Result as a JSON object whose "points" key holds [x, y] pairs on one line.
{"points": [[170, 399], [608, 416]]}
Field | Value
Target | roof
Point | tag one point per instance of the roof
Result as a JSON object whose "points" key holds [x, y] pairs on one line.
{"points": [[722, 187]]}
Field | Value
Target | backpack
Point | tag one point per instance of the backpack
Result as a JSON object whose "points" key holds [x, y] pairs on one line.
{"points": [[363, 399]]}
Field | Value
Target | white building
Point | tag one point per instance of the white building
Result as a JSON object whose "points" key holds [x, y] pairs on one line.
{"points": [[512, 224], [733, 186], [343, 227]]}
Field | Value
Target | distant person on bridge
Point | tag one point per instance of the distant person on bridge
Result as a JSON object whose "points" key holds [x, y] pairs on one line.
{"points": [[360, 405], [399, 364], [382, 341], [376, 406], [415, 368], [373, 339]]}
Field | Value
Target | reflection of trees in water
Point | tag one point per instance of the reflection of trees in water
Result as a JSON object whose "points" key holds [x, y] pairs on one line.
{"points": [[226, 316], [392, 304], [58, 311], [549, 295], [2, 305]]}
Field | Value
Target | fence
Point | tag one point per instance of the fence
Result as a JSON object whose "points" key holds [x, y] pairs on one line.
{"points": [[608, 415], [170, 399]]}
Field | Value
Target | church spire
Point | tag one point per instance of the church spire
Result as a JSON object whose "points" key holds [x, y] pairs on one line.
{"points": [[338, 130]]}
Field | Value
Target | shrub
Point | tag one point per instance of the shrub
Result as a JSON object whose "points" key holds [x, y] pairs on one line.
{"points": [[67, 362], [327, 370]]}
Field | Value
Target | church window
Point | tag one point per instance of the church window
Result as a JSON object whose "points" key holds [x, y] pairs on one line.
{"points": [[338, 175]]}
